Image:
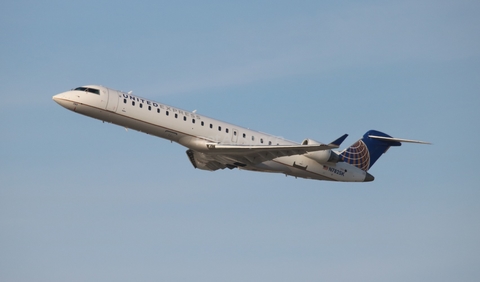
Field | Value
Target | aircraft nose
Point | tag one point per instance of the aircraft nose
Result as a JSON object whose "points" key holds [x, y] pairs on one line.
{"points": [[64, 101], [57, 97], [60, 99]]}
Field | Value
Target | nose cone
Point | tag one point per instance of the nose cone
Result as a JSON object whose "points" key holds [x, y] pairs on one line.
{"points": [[61, 100], [369, 178], [64, 101], [57, 98]]}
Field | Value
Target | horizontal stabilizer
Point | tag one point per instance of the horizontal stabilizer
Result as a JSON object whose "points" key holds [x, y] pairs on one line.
{"points": [[392, 139], [339, 141]]}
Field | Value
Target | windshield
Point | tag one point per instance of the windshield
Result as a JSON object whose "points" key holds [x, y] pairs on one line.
{"points": [[91, 90]]}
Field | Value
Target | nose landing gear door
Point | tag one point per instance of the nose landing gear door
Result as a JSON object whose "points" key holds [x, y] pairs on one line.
{"points": [[113, 97]]}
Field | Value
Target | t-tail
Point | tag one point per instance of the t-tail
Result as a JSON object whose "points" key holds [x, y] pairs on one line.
{"points": [[366, 151]]}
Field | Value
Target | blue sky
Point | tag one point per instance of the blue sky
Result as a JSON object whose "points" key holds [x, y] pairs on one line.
{"points": [[85, 201]]}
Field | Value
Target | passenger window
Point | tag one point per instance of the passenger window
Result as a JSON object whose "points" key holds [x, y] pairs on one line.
{"points": [[124, 101], [141, 105], [158, 110], [269, 142], [176, 115], [211, 125], [133, 103], [184, 118], [193, 120], [167, 113], [149, 108], [261, 140], [244, 135], [253, 138], [202, 123], [226, 130], [219, 128]]}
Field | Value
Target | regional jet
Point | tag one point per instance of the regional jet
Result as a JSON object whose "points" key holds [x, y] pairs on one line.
{"points": [[213, 144]]}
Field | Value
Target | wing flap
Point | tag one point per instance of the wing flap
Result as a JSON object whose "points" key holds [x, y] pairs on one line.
{"points": [[205, 162]]}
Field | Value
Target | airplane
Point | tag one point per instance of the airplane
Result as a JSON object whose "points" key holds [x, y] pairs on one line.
{"points": [[213, 144]]}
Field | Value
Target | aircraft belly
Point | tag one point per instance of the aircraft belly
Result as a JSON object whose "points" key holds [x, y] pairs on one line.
{"points": [[270, 166], [300, 166], [90, 111]]}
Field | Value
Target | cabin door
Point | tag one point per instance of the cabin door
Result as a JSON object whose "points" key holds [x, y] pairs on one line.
{"points": [[113, 97], [234, 135]]}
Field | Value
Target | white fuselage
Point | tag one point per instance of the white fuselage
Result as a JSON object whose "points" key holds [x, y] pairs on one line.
{"points": [[194, 131]]}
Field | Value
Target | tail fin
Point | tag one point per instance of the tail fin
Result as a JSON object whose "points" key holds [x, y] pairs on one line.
{"points": [[366, 151]]}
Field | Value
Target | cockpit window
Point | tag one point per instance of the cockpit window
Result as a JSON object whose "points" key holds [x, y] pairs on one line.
{"points": [[91, 90]]}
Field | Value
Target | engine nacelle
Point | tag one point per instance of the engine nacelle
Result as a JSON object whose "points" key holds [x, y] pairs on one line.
{"points": [[325, 156], [309, 141], [196, 144]]}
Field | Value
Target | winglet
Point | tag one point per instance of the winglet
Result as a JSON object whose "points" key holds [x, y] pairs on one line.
{"points": [[338, 141]]}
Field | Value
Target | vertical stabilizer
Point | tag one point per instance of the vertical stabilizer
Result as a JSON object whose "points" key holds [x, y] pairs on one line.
{"points": [[366, 151]]}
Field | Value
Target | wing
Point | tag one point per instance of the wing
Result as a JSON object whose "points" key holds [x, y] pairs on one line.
{"points": [[220, 156]]}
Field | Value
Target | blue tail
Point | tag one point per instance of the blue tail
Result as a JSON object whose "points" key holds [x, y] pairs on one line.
{"points": [[366, 151]]}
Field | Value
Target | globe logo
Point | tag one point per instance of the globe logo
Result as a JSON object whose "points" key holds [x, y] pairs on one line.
{"points": [[357, 155]]}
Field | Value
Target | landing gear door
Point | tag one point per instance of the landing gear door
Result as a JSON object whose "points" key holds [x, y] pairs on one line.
{"points": [[113, 97]]}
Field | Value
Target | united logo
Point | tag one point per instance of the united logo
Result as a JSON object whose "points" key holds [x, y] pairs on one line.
{"points": [[357, 155]]}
